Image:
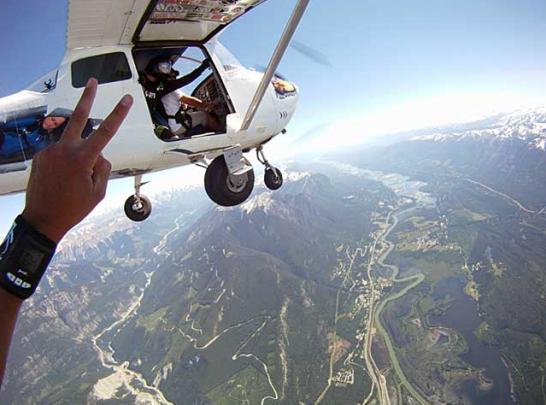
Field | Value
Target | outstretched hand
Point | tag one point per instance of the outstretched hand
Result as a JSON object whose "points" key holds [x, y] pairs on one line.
{"points": [[69, 179]]}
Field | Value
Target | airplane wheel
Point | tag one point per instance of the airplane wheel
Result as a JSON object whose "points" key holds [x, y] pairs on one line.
{"points": [[225, 189], [273, 181], [136, 211]]}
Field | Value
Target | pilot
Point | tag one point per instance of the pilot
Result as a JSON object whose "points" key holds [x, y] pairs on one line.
{"points": [[157, 83], [190, 123]]}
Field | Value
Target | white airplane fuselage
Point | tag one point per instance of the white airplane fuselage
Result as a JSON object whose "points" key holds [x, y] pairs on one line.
{"points": [[136, 149]]}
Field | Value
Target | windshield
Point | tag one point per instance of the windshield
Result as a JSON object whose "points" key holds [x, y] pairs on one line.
{"points": [[226, 58]]}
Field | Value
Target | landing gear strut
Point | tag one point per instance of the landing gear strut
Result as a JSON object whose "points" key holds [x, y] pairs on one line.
{"points": [[273, 177], [138, 207], [229, 179]]}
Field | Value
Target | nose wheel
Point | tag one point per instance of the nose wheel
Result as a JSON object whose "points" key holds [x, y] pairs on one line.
{"points": [[273, 177], [138, 207]]}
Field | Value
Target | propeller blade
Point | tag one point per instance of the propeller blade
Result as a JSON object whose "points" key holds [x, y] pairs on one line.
{"points": [[311, 53], [305, 50], [262, 69]]}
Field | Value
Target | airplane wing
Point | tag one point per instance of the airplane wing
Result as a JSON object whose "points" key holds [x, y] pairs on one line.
{"points": [[111, 22], [94, 23]]}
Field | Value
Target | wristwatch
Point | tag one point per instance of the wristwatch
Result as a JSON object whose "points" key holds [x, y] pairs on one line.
{"points": [[24, 257]]}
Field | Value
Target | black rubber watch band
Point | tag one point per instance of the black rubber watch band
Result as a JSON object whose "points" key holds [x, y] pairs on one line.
{"points": [[24, 257]]}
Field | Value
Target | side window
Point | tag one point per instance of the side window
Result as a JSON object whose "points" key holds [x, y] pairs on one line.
{"points": [[190, 59], [108, 68]]}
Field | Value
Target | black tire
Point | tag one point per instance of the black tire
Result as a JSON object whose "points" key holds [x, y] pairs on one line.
{"points": [[138, 214], [221, 190], [272, 181]]}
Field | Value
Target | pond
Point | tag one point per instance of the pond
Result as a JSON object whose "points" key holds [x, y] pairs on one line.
{"points": [[462, 315]]}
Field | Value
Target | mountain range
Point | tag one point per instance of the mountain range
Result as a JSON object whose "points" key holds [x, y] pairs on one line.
{"points": [[208, 305]]}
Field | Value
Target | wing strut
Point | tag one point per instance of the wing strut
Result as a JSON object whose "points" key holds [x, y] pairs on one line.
{"points": [[274, 63]]}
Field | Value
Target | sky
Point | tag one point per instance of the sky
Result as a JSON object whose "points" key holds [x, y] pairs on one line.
{"points": [[397, 64]]}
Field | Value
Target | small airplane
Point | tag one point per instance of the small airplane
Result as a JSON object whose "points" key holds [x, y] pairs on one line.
{"points": [[130, 46]]}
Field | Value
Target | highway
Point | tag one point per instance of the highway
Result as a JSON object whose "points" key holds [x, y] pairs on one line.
{"points": [[416, 280], [512, 200], [379, 392], [359, 252]]}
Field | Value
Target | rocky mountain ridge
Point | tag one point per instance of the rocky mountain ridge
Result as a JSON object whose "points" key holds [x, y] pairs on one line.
{"points": [[528, 126], [504, 152]]}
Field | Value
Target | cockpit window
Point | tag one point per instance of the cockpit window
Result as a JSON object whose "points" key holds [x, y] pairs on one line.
{"points": [[108, 68]]}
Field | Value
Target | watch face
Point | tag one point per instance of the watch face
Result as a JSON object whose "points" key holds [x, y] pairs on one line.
{"points": [[30, 260]]}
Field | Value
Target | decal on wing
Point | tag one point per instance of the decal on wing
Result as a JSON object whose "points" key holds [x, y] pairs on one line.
{"points": [[201, 10]]}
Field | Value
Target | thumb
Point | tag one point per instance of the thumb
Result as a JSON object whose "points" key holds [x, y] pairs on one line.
{"points": [[101, 173]]}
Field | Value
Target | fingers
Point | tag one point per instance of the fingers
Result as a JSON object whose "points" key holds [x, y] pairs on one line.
{"points": [[79, 117], [100, 138], [101, 173]]}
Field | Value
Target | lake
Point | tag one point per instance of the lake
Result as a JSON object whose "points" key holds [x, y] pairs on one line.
{"points": [[462, 315]]}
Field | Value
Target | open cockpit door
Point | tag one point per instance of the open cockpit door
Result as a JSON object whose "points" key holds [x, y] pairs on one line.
{"points": [[125, 22]]}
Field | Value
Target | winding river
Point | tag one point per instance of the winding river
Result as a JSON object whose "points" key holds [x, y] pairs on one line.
{"points": [[462, 315], [415, 279]]}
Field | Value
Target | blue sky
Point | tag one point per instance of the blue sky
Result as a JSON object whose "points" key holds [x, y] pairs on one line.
{"points": [[387, 54]]}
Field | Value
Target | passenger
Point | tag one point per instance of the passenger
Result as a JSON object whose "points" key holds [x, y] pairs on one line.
{"points": [[49, 128], [21, 138]]}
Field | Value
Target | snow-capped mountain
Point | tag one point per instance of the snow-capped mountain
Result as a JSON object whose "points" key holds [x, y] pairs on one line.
{"points": [[527, 126], [506, 152]]}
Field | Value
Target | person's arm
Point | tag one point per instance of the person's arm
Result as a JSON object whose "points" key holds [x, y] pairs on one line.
{"points": [[195, 103], [173, 85], [9, 310], [66, 183]]}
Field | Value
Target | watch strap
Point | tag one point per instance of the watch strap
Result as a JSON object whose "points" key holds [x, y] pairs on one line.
{"points": [[24, 257]]}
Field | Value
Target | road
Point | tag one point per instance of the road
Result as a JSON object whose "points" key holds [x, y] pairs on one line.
{"points": [[266, 370], [379, 381], [372, 368], [359, 252], [512, 200], [490, 189]]}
